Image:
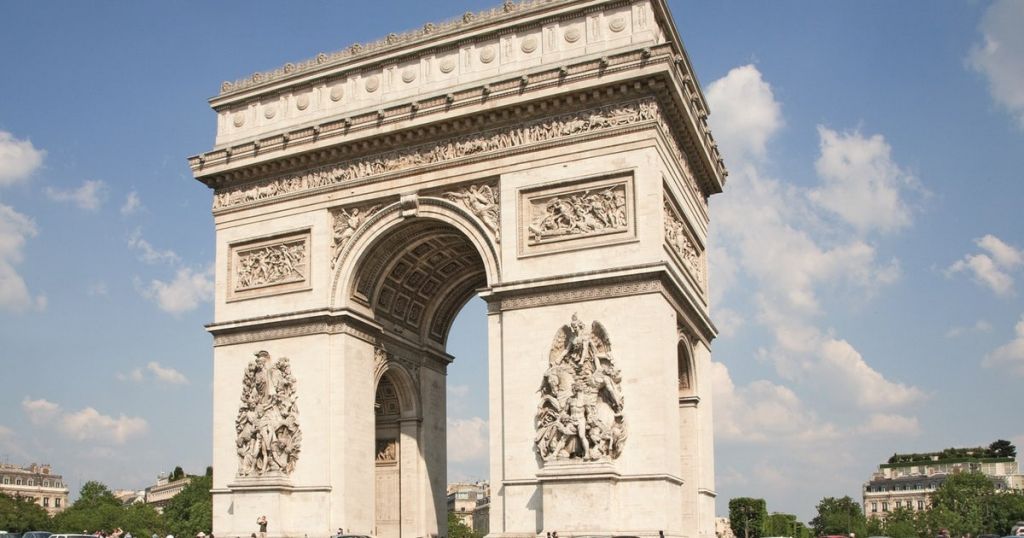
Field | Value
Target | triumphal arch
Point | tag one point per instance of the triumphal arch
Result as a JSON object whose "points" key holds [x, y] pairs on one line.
{"points": [[552, 157]]}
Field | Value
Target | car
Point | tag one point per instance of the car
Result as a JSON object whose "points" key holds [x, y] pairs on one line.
{"points": [[72, 536], [37, 534]]}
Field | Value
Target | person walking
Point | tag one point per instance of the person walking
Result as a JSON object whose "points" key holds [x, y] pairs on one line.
{"points": [[262, 522]]}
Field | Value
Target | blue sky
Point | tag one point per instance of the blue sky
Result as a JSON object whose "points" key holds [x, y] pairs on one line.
{"points": [[866, 255]]}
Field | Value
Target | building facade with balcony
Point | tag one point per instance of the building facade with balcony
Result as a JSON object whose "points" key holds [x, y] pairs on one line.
{"points": [[161, 493], [910, 481], [36, 482], [470, 502]]}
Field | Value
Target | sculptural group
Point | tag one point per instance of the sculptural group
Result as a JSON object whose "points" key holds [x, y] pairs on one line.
{"points": [[268, 436]]}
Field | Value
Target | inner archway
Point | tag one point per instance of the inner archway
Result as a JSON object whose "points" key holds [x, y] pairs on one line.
{"points": [[414, 279]]}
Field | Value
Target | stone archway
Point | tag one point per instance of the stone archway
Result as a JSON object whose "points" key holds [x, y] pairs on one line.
{"points": [[553, 157]]}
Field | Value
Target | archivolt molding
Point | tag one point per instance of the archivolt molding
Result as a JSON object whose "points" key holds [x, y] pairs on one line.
{"points": [[376, 226], [404, 373]]}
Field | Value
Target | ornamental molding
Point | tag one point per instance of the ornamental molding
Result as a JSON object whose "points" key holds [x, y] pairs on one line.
{"points": [[268, 439], [393, 41], [580, 294], [580, 416], [485, 144]]}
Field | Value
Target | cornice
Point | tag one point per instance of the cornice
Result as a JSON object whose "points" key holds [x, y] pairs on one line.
{"points": [[231, 162]]}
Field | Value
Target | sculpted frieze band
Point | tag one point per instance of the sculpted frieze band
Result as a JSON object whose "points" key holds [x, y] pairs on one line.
{"points": [[268, 438], [534, 132], [580, 413]]}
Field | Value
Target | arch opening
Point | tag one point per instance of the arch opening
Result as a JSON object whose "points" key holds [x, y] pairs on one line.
{"points": [[414, 279]]}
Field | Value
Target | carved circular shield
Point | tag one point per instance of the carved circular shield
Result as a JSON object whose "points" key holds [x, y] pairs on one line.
{"points": [[617, 24], [529, 45], [573, 35], [372, 84], [487, 55]]}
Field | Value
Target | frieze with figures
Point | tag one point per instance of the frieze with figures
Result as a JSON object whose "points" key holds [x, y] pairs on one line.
{"points": [[476, 144], [270, 265]]}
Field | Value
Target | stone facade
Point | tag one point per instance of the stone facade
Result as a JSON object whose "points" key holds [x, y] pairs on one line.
{"points": [[161, 493], [911, 485], [36, 482], [552, 157]]}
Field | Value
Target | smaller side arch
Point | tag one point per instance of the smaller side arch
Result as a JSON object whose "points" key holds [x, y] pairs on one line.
{"points": [[404, 382], [686, 367]]}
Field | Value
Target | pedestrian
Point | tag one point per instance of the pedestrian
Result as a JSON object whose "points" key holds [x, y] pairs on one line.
{"points": [[262, 522]]}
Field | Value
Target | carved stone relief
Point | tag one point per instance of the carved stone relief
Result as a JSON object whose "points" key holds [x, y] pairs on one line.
{"points": [[346, 222], [387, 451], [679, 241], [268, 437], [581, 213], [533, 132], [580, 414], [482, 201], [268, 266], [576, 214]]}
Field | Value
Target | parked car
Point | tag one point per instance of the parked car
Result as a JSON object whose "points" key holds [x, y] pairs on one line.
{"points": [[37, 534], [72, 536]]}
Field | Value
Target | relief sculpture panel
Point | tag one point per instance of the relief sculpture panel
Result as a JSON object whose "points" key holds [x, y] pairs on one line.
{"points": [[268, 439], [269, 266], [577, 215], [580, 414], [681, 243]]}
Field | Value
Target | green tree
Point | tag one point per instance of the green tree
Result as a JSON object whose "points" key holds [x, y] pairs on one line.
{"points": [[839, 516], [177, 474], [191, 510], [747, 516], [968, 496], [22, 514], [801, 531], [96, 509], [778, 524], [458, 529], [900, 523], [1003, 449], [1005, 509], [142, 520]]}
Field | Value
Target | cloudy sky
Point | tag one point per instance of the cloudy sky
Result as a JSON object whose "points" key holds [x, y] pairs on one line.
{"points": [[867, 262]]}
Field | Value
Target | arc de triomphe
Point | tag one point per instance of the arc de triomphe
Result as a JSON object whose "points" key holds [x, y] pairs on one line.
{"points": [[552, 156]]}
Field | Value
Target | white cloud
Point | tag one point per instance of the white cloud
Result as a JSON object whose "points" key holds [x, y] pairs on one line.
{"points": [[980, 326], [1005, 255], [89, 196], [457, 391], [890, 424], [15, 229], [991, 270], [794, 247], [762, 412], [149, 254], [868, 388], [184, 293], [1009, 356], [1001, 56], [40, 411], [90, 424], [861, 182], [18, 159], [745, 113], [9, 443], [134, 376], [467, 440], [132, 204], [86, 424], [167, 375]]}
